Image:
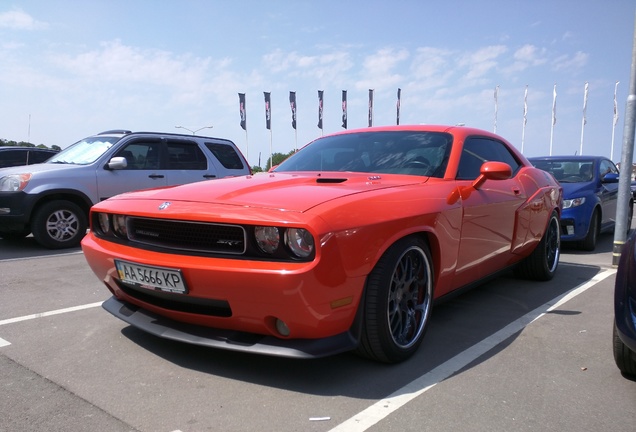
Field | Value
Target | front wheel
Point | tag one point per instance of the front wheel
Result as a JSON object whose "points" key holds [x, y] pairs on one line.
{"points": [[542, 263], [589, 242], [59, 224], [398, 302]]}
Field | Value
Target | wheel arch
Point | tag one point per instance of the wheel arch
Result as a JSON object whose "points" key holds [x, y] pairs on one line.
{"points": [[73, 196]]}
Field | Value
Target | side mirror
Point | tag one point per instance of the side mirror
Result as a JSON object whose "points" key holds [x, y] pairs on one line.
{"points": [[492, 171], [610, 178], [116, 163]]}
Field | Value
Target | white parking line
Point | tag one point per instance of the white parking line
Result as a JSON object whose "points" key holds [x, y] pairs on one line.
{"points": [[4, 343], [50, 313], [381, 409]]}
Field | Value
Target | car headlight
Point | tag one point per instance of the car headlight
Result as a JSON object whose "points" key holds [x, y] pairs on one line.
{"points": [[14, 182], [104, 222], [299, 241], [119, 225], [574, 202], [267, 238]]}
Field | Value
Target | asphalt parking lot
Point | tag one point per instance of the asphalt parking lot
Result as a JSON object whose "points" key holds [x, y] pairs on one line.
{"points": [[511, 355]]}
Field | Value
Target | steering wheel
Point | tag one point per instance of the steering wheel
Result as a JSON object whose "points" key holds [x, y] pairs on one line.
{"points": [[417, 163]]}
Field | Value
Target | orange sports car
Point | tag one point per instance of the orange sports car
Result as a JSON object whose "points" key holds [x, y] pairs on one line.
{"points": [[343, 246]]}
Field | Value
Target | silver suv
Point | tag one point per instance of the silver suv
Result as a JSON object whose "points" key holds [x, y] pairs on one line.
{"points": [[52, 200]]}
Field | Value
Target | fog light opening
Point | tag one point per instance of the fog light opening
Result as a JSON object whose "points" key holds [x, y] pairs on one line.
{"points": [[282, 328]]}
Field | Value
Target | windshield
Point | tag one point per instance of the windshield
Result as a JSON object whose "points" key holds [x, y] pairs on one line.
{"points": [[84, 152], [391, 152], [567, 171]]}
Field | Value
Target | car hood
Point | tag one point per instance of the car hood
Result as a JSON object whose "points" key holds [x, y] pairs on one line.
{"points": [[281, 191], [37, 168], [576, 190]]}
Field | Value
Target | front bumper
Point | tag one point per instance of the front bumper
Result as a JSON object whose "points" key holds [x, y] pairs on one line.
{"points": [[15, 209], [229, 339]]}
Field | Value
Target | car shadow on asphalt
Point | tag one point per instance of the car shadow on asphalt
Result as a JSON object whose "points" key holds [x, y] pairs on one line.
{"points": [[455, 326]]}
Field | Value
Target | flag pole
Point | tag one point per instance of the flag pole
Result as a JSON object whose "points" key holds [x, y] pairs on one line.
{"points": [[247, 149], [584, 121]]}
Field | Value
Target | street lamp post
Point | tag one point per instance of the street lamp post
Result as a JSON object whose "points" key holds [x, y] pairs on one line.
{"points": [[194, 131]]}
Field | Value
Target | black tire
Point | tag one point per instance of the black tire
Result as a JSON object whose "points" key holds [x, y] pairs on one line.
{"points": [[398, 302], [59, 225], [624, 357], [589, 242], [542, 263]]}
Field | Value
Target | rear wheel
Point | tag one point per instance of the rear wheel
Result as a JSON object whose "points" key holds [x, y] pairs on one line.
{"points": [[59, 224], [398, 302], [589, 242], [544, 260], [624, 357]]}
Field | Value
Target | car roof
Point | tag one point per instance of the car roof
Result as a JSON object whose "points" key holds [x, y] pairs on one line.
{"points": [[26, 148], [568, 157]]}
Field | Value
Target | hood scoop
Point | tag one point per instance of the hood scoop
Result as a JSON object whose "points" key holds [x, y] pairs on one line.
{"points": [[330, 180]]}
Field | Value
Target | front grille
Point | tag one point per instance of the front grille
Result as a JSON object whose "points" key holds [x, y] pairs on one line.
{"points": [[185, 235], [179, 302]]}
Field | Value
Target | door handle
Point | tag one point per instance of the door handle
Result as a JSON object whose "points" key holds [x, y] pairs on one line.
{"points": [[153, 176], [209, 176]]}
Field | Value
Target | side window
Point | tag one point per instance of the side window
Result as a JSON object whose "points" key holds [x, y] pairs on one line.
{"points": [[39, 157], [186, 156], [476, 151], [607, 167], [226, 154], [11, 158], [141, 155]]}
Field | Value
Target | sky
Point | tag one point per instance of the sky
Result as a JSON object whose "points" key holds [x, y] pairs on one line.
{"points": [[70, 69]]}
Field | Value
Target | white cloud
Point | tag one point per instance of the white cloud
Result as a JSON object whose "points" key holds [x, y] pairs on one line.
{"points": [[325, 67], [17, 19], [525, 57], [571, 63], [378, 69], [482, 61]]}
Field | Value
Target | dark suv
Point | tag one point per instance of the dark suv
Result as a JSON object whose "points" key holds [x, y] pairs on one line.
{"points": [[17, 156], [52, 199]]}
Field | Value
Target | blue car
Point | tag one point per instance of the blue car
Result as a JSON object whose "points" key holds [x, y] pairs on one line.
{"points": [[624, 337], [590, 194]]}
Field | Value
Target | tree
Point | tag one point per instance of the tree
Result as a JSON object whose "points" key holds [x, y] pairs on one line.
{"points": [[277, 158]]}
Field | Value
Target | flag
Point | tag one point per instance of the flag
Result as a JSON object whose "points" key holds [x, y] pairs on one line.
{"points": [[525, 107], [344, 109], [496, 106], [292, 104], [397, 106], [585, 104], [242, 111], [615, 106], [268, 110], [554, 96], [370, 107], [320, 95]]}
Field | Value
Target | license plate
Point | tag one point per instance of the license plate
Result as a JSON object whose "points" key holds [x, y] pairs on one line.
{"points": [[150, 277]]}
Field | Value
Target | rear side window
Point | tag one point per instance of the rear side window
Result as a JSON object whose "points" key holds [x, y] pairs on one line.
{"points": [[226, 154], [186, 156]]}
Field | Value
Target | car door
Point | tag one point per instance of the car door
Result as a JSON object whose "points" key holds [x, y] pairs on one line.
{"points": [[186, 163], [489, 217], [608, 192], [143, 169]]}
